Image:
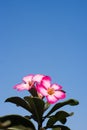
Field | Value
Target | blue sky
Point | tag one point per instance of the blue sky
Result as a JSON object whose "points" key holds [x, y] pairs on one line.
{"points": [[47, 37]]}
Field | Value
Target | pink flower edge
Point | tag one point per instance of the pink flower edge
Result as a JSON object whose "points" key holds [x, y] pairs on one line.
{"points": [[21, 87]]}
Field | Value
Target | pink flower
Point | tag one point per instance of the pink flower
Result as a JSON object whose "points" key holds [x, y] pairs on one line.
{"points": [[52, 92], [29, 81]]}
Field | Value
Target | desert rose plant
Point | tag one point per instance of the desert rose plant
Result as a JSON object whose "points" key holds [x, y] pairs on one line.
{"points": [[42, 103]]}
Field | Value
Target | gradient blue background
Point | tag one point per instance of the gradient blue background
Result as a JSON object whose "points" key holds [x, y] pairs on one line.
{"points": [[47, 37]]}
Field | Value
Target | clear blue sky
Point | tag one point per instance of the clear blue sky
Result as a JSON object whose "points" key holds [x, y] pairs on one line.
{"points": [[47, 37]]}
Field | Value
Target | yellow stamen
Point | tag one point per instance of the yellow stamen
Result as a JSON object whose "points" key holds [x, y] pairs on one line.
{"points": [[50, 91]]}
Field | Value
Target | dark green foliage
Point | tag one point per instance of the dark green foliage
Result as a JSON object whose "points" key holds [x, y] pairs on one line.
{"points": [[15, 121], [37, 107], [70, 102], [33, 92], [19, 102], [59, 116], [60, 127]]}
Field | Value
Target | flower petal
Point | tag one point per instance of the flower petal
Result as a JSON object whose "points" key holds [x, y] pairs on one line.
{"points": [[56, 87], [41, 90], [21, 87], [59, 94], [46, 82], [38, 77], [28, 78], [51, 99], [47, 78]]}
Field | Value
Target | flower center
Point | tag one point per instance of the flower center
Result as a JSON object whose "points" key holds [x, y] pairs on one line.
{"points": [[31, 83], [50, 91]]}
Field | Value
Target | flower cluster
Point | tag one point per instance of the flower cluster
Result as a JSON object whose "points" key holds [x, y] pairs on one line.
{"points": [[40, 88], [43, 86]]}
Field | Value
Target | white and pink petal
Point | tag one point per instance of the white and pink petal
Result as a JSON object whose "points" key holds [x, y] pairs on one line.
{"points": [[56, 87], [59, 94], [51, 99], [47, 78], [21, 87], [28, 78], [46, 82], [40, 89], [38, 77]]}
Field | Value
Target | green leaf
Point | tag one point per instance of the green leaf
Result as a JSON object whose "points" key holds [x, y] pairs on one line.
{"points": [[15, 120], [60, 127], [19, 102], [37, 106], [70, 102], [56, 128], [46, 106], [62, 115], [20, 127], [33, 92], [59, 116]]}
